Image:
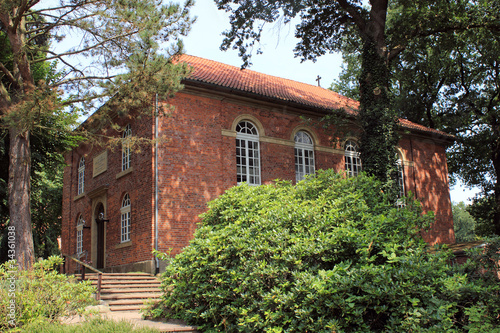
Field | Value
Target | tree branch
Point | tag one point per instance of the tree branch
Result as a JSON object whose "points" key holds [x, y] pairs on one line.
{"points": [[33, 3], [79, 100], [77, 6], [22, 9], [46, 27], [60, 55], [5, 100], [354, 12], [9, 76], [395, 51], [444, 29], [83, 78], [57, 23]]}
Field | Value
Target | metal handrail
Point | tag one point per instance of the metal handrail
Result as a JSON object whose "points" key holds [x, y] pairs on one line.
{"points": [[99, 273]]}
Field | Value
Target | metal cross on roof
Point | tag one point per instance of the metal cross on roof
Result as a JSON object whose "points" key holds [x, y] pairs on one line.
{"points": [[317, 79]]}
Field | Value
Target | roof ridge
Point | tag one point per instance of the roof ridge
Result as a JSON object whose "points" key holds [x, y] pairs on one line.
{"points": [[268, 75], [269, 86], [279, 89]]}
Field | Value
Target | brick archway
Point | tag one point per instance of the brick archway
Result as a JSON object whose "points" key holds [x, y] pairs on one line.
{"points": [[101, 235], [98, 235]]}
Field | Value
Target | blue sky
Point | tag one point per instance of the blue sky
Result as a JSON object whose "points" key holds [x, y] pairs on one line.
{"points": [[278, 43], [277, 59]]}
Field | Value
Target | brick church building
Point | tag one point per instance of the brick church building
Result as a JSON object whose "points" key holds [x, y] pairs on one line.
{"points": [[228, 126]]}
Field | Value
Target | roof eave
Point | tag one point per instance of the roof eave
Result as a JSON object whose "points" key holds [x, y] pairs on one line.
{"points": [[304, 108], [444, 138]]}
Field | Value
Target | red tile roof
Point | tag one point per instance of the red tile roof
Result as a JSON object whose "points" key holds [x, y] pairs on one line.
{"points": [[276, 88], [405, 123]]}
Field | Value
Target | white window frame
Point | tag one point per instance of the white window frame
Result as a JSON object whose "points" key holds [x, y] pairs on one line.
{"points": [[79, 235], [81, 176], [304, 155], [247, 153], [352, 158], [401, 182], [125, 214], [126, 153]]}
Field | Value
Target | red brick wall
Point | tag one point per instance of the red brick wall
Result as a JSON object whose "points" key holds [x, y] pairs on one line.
{"points": [[138, 184], [428, 181], [197, 163]]}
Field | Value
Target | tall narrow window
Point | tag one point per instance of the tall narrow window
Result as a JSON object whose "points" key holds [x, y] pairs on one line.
{"points": [[79, 235], [400, 181], [247, 153], [81, 176], [304, 155], [352, 158], [125, 219], [127, 133]]}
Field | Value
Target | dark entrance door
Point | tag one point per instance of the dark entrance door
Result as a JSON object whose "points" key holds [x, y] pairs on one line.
{"points": [[99, 213]]}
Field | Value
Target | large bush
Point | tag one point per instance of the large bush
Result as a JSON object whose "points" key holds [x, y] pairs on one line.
{"points": [[331, 254], [40, 294]]}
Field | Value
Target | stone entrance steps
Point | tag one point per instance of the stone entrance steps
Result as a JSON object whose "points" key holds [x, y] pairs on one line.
{"points": [[126, 291]]}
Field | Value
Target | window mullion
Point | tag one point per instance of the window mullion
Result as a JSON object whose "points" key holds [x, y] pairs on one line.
{"points": [[247, 152]]}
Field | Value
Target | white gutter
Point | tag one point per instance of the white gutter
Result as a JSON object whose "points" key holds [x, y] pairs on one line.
{"points": [[157, 262]]}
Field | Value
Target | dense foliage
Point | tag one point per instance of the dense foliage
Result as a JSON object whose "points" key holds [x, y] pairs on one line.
{"points": [[483, 211], [464, 224], [40, 294], [329, 254]]}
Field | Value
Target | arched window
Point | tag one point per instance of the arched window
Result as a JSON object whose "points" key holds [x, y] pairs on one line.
{"points": [[352, 158], [127, 133], [79, 235], [125, 218], [304, 155], [400, 180], [247, 153], [81, 176]]}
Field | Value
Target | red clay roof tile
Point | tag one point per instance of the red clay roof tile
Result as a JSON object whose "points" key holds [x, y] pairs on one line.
{"points": [[268, 86], [245, 80]]}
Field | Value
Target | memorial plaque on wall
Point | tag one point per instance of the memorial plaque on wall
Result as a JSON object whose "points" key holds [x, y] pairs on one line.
{"points": [[100, 163]]}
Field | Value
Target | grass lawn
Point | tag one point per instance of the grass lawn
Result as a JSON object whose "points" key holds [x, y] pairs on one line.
{"points": [[96, 325]]}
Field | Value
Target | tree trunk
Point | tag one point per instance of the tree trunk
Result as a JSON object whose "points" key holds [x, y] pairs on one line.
{"points": [[19, 196], [376, 114], [496, 213], [377, 117], [496, 167]]}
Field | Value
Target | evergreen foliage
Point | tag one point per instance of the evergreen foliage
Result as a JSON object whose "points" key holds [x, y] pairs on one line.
{"points": [[329, 254], [115, 51]]}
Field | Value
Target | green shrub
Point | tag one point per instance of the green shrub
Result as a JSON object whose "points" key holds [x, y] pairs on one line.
{"points": [[331, 254], [40, 293]]}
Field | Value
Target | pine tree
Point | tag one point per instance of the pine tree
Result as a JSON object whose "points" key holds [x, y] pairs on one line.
{"points": [[128, 45]]}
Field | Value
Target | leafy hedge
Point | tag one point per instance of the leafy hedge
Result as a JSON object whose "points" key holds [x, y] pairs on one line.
{"points": [[331, 254], [40, 294]]}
